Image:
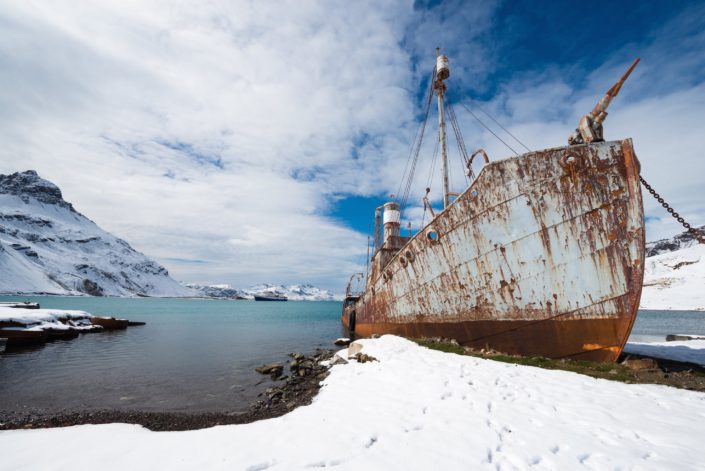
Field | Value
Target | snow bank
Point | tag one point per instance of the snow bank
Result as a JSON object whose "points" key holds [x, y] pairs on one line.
{"points": [[691, 351], [42, 319], [414, 409], [675, 280]]}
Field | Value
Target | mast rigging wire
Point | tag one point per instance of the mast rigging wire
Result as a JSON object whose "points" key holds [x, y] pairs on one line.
{"points": [[490, 130], [414, 156], [503, 128]]}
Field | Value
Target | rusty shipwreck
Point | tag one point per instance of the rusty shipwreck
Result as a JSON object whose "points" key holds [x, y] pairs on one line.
{"points": [[541, 254]]}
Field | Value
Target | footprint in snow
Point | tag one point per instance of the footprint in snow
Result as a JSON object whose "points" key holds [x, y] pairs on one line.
{"points": [[555, 449], [446, 395], [324, 464], [261, 466]]}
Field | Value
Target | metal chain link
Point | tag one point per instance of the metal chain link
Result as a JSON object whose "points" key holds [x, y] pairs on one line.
{"points": [[695, 232]]}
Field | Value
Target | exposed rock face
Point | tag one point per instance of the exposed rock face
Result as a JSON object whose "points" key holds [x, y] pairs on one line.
{"points": [[28, 185], [216, 291], [674, 274], [680, 241], [46, 246]]}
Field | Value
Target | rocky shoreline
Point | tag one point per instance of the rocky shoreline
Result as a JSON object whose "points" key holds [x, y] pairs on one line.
{"points": [[288, 391]]}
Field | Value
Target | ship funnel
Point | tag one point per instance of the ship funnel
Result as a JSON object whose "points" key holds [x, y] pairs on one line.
{"points": [[392, 220]]}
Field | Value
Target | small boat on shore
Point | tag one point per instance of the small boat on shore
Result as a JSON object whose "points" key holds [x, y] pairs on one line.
{"points": [[272, 296]]}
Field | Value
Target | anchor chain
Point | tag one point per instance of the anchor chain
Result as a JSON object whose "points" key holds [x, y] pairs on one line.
{"points": [[695, 232]]}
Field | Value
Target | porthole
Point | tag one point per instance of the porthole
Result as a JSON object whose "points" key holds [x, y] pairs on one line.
{"points": [[403, 261], [409, 255], [432, 236]]}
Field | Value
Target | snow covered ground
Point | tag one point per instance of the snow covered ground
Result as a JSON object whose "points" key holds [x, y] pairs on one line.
{"points": [[42, 319], [675, 280], [691, 351], [414, 409]]}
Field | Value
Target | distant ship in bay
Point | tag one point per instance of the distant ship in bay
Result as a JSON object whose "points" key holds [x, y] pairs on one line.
{"points": [[271, 296]]}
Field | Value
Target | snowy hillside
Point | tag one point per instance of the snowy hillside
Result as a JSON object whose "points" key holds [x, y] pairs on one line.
{"points": [[46, 246], [215, 291], [293, 292], [680, 241], [675, 280]]}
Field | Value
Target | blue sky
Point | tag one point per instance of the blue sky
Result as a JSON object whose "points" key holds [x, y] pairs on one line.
{"points": [[527, 38], [247, 142]]}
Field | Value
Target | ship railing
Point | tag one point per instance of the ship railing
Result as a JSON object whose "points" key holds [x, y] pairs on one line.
{"points": [[356, 285]]}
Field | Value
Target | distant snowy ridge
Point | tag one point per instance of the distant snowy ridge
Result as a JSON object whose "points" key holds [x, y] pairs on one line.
{"points": [[680, 241], [304, 292], [47, 247], [674, 276]]}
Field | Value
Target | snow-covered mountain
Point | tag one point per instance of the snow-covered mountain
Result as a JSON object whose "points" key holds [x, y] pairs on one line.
{"points": [[215, 291], [46, 246], [674, 275], [293, 292], [680, 241]]}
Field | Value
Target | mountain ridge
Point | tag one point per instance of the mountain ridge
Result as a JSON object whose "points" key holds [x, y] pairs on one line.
{"points": [[48, 247]]}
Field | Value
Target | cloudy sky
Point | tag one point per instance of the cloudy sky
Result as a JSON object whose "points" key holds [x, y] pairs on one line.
{"points": [[243, 142]]}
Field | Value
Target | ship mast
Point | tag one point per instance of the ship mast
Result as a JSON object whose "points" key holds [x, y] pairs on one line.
{"points": [[442, 73]]}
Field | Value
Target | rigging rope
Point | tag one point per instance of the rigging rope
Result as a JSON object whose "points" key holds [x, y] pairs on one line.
{"points": [[460, 142], [486, 127], [503, 128], [417, 148], [429, 182]]}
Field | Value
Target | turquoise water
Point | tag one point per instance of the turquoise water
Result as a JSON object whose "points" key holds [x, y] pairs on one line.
{"points": [[653, 326], [193, 355]]}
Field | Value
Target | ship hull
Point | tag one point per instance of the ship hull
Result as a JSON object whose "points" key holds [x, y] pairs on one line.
{"points": [[268, 298], [542, 255]]}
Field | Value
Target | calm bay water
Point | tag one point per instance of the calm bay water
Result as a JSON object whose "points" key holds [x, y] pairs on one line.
{"points": [[193, 355]]}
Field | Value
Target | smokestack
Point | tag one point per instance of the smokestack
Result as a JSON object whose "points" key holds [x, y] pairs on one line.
{"points": [[392, 218]]}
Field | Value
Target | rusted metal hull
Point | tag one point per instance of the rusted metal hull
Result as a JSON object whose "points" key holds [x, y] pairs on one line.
{"points": [[542, 255], [23, 337], [110, 323]]}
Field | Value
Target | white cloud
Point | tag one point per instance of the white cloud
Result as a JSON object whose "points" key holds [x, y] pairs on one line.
{"points": [[181, 126], [213, 135]]}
